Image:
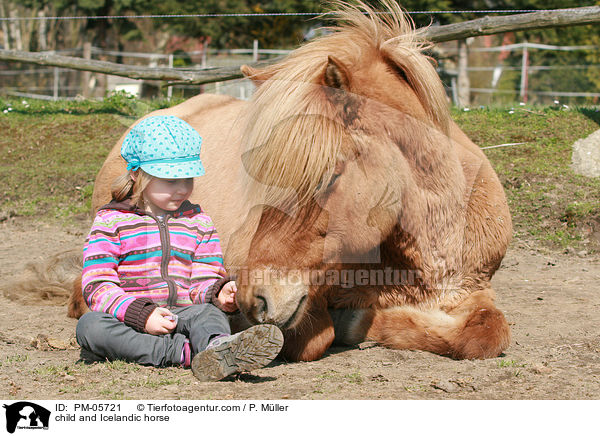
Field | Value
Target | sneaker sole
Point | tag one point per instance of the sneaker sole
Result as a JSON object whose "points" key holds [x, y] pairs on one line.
{"points": [[253, 348]]}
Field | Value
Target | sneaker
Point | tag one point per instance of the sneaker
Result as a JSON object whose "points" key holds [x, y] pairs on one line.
{"points": [[250, 349]]}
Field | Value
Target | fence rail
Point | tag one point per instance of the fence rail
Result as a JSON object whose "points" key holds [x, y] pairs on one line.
{"points": [[530, 21]]}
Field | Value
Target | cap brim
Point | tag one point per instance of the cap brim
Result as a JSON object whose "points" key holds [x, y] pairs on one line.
{"points": [[183, 170]]}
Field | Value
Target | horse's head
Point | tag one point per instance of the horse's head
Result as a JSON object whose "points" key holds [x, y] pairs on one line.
{"points": [[340, 137]]}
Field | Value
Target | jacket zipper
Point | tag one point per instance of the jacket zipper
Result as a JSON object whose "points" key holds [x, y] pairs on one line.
{"points": [[165, 242]]}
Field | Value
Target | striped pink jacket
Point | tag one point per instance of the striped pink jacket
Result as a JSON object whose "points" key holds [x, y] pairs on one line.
{"points": [[134, 261]]}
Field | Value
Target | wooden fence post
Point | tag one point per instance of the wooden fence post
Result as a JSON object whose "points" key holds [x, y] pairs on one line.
{"points": [[524, 73], [170, 88], [86, 76], [454, 87], [204, 53], [255, 51], [464, 85]]}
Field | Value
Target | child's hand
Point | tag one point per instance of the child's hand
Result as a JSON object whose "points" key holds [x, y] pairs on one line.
{"points": [[157, 324], [226, 298]]}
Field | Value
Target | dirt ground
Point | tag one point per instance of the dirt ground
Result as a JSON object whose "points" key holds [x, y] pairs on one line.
{"points": [[550, 299]]}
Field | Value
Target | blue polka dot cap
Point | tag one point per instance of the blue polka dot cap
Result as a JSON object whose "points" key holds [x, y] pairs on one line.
{"points": [[163, 146]]}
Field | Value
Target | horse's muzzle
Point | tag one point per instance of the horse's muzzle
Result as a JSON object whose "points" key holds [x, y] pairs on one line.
{"points": [[277, 302]]}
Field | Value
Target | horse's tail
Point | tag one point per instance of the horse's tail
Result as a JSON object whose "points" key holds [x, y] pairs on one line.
{"points": [[56, 281]]}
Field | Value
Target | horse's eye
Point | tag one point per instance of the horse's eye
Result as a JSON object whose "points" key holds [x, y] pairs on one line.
{"points": [[333, 180], [330, 183]]}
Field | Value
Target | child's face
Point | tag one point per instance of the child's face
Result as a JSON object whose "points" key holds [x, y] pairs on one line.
{"points": [[167, 194]]}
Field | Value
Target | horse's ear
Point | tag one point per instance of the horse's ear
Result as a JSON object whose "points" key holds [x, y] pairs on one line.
{"points": [[256, 75], [336, 74]]}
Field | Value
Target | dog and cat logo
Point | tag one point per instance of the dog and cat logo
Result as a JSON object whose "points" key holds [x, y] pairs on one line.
{"points": [[26, 415]]}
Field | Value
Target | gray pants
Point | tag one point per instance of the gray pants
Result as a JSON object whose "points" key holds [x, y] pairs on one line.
{"points": [[106, 337]]}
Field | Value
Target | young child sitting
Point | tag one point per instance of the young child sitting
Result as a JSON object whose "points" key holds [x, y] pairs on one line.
{"points": [[153, 272]]}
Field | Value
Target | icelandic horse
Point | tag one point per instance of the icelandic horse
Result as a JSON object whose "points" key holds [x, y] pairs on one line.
{"points": [[348, 202]]}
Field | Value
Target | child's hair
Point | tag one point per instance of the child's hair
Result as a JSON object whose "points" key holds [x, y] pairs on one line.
{"points": [[124, 187]]}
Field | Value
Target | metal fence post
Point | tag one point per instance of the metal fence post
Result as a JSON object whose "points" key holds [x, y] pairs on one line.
{"points": [[56, 78]]}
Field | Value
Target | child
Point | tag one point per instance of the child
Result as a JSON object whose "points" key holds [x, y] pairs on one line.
{"points": [[153, 272]]}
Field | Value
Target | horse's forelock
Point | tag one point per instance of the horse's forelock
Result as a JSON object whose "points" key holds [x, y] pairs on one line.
{"points": [[424, 81], [294, 135], [293, 157], [375, 25]]}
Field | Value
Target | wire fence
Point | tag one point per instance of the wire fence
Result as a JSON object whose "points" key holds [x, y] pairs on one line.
{"points": [[498, 73], [525, 72], [495, 70], [259, 15]]}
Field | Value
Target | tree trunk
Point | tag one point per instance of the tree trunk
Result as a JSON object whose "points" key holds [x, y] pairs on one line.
{"points": [[464, 85], [101, 30], [27, 27], [43, 30], [15, 29], [5, 34], [52, 27]]}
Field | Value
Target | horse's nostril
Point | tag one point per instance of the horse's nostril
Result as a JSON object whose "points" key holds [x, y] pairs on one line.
{"points": [[260, 308]]}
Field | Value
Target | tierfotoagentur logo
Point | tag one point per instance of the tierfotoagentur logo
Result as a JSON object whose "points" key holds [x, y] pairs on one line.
{"points": [[24, 415], [345, 278]]}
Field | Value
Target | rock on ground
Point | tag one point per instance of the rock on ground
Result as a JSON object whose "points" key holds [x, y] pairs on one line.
{"points": [[586, 156]]}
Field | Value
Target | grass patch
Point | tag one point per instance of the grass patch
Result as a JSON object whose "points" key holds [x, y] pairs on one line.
{"points": [[48, 162], [121, 366], [118, 103], [510, 364], [154, 383], [416, 388], [9, 361], [53, 370], [50, 153], [547, 200], [354, 377], [111, 394]]}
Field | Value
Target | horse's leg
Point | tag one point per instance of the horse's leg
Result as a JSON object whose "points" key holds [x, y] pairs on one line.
{"points": [[400, 327], [474, 329], [77, 306], [484, 331], [313, 335]]}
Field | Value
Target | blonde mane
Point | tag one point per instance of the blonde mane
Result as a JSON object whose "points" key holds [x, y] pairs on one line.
{"points": [[294, 136]]}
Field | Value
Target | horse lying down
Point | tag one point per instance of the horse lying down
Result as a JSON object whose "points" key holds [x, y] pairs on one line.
{"points": [[349, 204]]}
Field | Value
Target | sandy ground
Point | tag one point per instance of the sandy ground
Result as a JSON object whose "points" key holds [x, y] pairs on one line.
{"points": [[550, 299]]}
